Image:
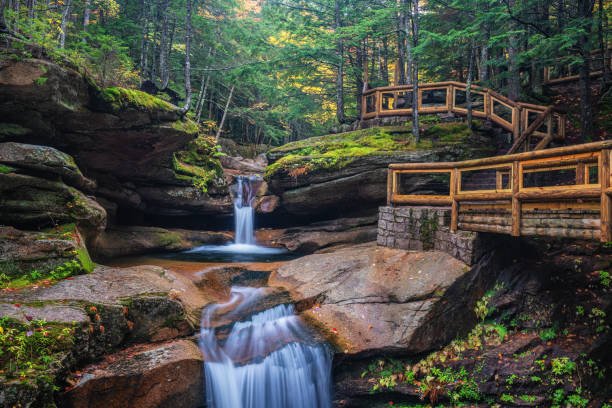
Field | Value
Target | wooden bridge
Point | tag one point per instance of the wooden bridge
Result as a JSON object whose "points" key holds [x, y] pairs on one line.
{"points": [[527, 122], [559, 192]]}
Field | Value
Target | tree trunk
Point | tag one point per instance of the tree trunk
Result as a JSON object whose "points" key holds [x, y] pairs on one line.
{"points": [[585, 11], [484, 59], [163, 46], [401, 23], [340, 70], [166, 77], [143, 38], [187, 105], [17, 11], [602, 43], [63, 26], [3, 26], [415, 71], [468, 88], [220, 129], [202, 98], [385, 62], [86, 14], [514, 77], [406, 29]]}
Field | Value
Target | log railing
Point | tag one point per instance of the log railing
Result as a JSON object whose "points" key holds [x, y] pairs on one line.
{"points": [[516, 117], [561, 71], [560, 192]]}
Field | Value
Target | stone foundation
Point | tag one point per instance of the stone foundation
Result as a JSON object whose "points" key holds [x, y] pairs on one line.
{"points": [[426, 228]]}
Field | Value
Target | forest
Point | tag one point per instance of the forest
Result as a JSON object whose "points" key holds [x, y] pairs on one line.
{"points": [[275, 71]]}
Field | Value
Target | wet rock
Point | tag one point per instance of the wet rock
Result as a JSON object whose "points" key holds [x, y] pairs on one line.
{"points": [[369, 299], [320, 235], [169, 375], [267, 204], [46, 160], [119, 241], [243, 165], [124, 139], [22, 252], [41, 200], [124, 304]]}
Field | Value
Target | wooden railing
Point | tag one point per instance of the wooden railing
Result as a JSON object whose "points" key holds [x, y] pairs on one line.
{"points": [[516, 117], [560, 71], [560, 192]]}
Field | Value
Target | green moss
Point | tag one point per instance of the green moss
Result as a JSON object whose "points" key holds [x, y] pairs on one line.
{"points": [[338, 150], [198, 163], [168, 239], [187, 126], [12, 129], [121, 98], [5, 169], [41, 81], [86, 263]]}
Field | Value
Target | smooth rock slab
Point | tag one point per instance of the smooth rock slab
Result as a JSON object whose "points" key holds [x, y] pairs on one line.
{"points": [[368, 299], [169, 375]]}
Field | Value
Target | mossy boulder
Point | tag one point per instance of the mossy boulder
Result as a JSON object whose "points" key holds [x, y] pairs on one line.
{"points": [[327, 175], [124, 139], [25, 255]]}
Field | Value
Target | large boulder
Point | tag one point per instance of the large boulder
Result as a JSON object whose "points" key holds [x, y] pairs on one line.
{"points": [[169, 375], [38, 188], [368, 299], [118, 241], [327, 176], [126, 140], [22, 252], [135, 304], [321, 235], [94, 314]]}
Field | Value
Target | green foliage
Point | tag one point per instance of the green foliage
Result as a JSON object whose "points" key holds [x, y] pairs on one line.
{"points": [[604, 278], [506, 398], [563, 365], [482, 308], [5, 169], [33, 350], [549, 334], [199, 163]]}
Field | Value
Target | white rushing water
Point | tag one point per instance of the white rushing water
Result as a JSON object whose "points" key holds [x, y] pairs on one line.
{"points": [[268, 361], [244, 193], [244, 196]]}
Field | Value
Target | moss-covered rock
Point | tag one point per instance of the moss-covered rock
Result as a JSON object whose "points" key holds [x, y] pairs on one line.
{"points": [[338, 150], [325, 176], [119, 98], [29, 257]]}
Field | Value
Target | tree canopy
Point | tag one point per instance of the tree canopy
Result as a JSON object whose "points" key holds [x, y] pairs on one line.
{"points": [[273, 71]]}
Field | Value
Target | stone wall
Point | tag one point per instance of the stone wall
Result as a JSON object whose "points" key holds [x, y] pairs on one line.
{"points": [[426, 228]]}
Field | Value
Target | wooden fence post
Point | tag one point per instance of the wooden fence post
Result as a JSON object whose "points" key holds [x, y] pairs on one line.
{"points": [[389, 186], [516, 204], [378, 103], [455, 204], [606, 200]]}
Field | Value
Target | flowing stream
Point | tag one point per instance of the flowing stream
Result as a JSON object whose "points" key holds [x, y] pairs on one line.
{"points": [[244, 248], [270, 360]]}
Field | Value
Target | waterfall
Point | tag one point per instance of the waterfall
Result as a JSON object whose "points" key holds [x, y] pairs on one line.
{"points": [[245, 192], [268, 361]]}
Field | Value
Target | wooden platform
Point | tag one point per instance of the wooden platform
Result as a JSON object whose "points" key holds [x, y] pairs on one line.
{"points": [[563, 192]]}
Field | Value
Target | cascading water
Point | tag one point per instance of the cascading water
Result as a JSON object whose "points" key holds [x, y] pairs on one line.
{"points": [[269, 361], [244, 196], [244, 248]]}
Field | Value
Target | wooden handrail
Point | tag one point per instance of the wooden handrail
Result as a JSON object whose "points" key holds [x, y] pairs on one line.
{"points": [[536, 124], [372, 107], [584, 191]]}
